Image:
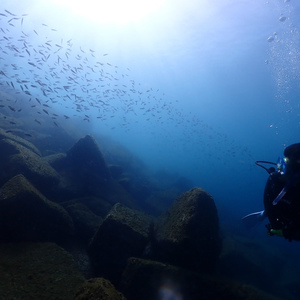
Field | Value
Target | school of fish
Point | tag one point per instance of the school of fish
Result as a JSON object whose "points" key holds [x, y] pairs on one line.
{"points": [[61, 81]]}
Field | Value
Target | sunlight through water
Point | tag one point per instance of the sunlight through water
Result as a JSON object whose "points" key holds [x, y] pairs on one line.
{"points": [[113, 11]]}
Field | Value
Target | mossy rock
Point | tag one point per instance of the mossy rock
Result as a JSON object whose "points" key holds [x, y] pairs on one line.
{"points": [[87, 156], [145, 279], [254, 261], [56, 160], [123, 233], [187, 235], [37, 271], [97, 205], [19, 140], [16, 159], [85, 221], [98, 289], [27, 215]]}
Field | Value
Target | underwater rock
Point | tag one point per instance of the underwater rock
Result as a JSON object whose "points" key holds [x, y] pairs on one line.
{"points": [[115, 171], [188, 234], [51, 140], [85, 221], [113, 193], [56, 160], [98, 288], [27, 215], [160, 200], [98, 206], [254, 262], [84, 172], [123, 233], [146, 279], [37, 271], [124, 180], [19, 140], [83, 168], [17, 159], [85, 156]]}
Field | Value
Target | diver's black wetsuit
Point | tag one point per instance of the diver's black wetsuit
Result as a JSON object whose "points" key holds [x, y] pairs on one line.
{"points": [[285, 214]]}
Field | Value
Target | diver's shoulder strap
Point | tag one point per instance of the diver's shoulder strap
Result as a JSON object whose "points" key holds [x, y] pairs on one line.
{"points": [[287, 186]]}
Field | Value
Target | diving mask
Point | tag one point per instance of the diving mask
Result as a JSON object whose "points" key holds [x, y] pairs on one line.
{"points": [[281, 165]]}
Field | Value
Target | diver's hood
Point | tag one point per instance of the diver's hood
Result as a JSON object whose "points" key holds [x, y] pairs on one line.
{"points": [[293, 152]]}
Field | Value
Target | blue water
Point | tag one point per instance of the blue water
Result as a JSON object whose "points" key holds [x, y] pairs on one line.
{"points": [[200, 89]]}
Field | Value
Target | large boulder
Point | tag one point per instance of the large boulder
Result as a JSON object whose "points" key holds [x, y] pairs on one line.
{"points": [[146, 279], [82, 168], [96, 289], [37, 271], [18, 158], [123, 233], [86, 165], [85, 221], [87, 214], [27, 215], [84, 173], [19, 140], [98, 206], [188, 234], [261, 260]]}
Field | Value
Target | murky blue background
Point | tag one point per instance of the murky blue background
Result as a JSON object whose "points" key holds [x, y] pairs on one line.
{"points": [[199, 88]]}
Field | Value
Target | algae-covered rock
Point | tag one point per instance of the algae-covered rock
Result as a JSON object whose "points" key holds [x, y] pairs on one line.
{"points": [[115, 192], [98, 206], [37, 271], [252, 261], [188, 234], [19, 140], [56, 160], [16, 159], [84, 173], [27, 215], [87, 157], [146, 279], [123, 233], [85, 221], [98, 289]]}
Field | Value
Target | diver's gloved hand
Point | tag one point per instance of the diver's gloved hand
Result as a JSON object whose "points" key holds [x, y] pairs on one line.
{"points": [[272, 231], [269, 228]]}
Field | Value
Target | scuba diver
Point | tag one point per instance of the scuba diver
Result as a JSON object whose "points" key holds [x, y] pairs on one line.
{"points": [[281, 196]]}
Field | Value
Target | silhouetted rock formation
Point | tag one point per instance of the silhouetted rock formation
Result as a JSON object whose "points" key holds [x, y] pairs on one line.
{"points": [[20, 157], [27, 215], [94, 211], [123, 233], [188, 234], [37, 271], [98, 288], [146, 279]]}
